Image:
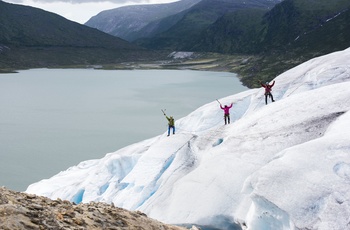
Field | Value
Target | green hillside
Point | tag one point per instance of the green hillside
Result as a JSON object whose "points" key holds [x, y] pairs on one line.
{"points": [[136, 21], [292, 32], [185, 33], [236, 32], [294, 18], [30, 37]]}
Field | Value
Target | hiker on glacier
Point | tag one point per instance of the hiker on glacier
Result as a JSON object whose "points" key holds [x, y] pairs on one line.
{"points": [[171, 123], [268, 89], [226, 112]]}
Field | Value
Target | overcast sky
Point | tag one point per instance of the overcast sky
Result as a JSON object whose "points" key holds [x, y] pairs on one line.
{"points": [[81, 10]]}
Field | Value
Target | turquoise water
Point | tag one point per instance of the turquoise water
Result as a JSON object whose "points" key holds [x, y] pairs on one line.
{"points": [[53, 119]]}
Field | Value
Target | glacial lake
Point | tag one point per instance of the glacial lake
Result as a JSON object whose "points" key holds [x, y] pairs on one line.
{"points": [[52, 119]]}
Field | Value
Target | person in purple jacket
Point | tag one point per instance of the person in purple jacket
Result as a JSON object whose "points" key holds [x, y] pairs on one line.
{"points": [[226, 113]]}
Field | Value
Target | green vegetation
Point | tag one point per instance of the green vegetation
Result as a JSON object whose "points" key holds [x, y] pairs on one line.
{"points": [[236, 32], [32, 38], [186, 33], [293, 32]]}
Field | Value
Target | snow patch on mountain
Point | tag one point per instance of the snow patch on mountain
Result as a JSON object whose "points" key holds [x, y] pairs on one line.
{"points": [[180, 55]]}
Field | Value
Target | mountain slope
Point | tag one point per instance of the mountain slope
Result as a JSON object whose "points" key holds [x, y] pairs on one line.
{"points": [[28, 26], [294, 18], [292, 32], [129, 22], [332, 34], [31, 37], [185, 33], [236, 32], [279, 28], [279, 166]]}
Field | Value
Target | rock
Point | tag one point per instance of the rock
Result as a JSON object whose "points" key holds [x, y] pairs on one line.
{"points": [[21, 211]]}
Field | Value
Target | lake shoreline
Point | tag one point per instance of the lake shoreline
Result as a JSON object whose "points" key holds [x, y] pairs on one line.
{"points": [[198, 61]]}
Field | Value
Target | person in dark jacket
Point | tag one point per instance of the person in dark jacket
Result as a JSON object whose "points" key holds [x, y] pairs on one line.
{"points": [[268, 89], [226, 113]]}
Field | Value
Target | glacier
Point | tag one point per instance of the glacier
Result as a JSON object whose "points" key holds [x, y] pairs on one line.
{"points": [[285, 165]]}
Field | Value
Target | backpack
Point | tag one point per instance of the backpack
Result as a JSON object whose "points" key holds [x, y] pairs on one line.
{"points": [[171, 121]]}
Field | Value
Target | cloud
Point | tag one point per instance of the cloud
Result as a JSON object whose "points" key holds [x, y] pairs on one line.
{"points": [[118, 2], [82, 10], [121, 2]]}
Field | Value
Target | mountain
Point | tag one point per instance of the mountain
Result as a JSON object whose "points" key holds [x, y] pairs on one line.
{"points": [[135, 21], [281, 38], [256, 27], [281, 28], [48, 29], [333, 31], [284, 165], [235, 32], [291, 20], [147, 21], [186, 32], [30, 37]]}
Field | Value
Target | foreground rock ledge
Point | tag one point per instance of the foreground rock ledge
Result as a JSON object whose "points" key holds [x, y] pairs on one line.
{"points": [[26, 211]]}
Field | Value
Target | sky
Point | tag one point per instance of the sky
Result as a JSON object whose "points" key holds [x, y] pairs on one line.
{"points": [[284, 165], [82, 10]]}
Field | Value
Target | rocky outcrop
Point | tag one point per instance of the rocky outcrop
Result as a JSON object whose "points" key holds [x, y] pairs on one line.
{"points": [[19, 211]]}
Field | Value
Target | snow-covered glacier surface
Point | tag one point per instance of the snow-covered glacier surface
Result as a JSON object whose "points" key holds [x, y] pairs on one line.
{"points": [[285, 165]]}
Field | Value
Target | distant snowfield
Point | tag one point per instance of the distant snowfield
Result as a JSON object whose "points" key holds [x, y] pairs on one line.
{"points": [[285, 165]]}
